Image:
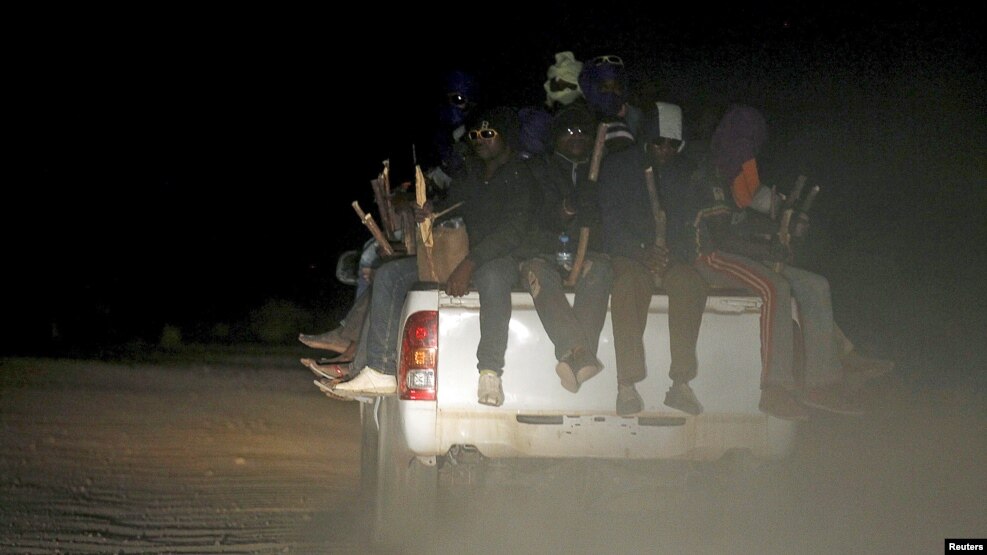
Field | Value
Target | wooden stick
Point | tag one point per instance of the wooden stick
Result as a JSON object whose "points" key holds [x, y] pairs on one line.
{"points": [[388, 193], [408, 232], [597, 159], [577, 264], [594, 174], [383, 204], [425, 226], [368, 220], [447, 210], [656, 210], [420, 192], [809, 199]]}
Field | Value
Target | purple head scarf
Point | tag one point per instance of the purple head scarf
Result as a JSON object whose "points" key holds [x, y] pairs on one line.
{"points": [[738, 138]]}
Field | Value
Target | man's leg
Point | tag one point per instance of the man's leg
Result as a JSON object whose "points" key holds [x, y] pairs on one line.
{"points": [[343, 339], [353, 322], [721, 269], [858, 368], [630, 298], [777, 341], [569, 327], [687, 293], [544, 282], [494, 282], [823, 377], [811, 291], [593, 298], [391, 284]]}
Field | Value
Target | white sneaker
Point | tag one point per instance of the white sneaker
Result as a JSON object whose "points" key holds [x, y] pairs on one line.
{"points": [[368, 382], [489, 390]]}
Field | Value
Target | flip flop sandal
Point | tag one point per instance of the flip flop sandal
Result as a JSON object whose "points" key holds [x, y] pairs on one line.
{"points": [[329, 371], [326, 385], [338, 359]]}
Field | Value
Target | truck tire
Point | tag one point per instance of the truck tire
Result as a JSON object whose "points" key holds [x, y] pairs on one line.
{"points": [[404, 503], [369, 439]]}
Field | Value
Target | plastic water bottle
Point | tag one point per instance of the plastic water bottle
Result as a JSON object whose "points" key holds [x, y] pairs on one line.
{"points": [[564, 255]]}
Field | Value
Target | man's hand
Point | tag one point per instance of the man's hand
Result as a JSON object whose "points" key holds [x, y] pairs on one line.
{"points": [[421, 213], [568, 208], [656, 259], [779, 252], [801, 225], [458, 283]]}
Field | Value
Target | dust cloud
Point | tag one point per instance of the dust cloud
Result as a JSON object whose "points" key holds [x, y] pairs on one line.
{"points": [[251, 458]]}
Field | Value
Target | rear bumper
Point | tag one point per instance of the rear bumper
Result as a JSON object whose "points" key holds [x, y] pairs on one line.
{"points": [[663, 435]]}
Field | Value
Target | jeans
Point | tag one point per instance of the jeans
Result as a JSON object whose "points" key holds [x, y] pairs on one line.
{"points": [[819, 335], [392, 281], [355, 318], [580, 324], [494, 282]]}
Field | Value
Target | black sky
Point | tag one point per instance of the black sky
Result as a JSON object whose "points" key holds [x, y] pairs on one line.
{"points": [[184, 166]]}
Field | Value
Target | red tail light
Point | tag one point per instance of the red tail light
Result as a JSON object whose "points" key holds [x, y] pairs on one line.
{"points": [[419, 357]]}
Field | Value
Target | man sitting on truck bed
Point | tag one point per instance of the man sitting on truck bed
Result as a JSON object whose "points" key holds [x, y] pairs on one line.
{"points": [[569, 202], [642, 251], [732, 256], [496, 195]]}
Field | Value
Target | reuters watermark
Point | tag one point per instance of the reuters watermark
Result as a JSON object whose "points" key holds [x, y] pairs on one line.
{"points": [[964, 545]]}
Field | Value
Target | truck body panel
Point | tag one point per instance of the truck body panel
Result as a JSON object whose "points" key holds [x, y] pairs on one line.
{"points": [[539, 418]]}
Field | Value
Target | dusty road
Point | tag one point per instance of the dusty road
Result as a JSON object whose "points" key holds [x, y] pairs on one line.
{"points": [[102, 458], [249, 457]]}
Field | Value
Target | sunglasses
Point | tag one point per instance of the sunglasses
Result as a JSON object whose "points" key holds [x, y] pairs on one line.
{"points": [[600, 60], [477, 134], [458, 100], [667, 143]]}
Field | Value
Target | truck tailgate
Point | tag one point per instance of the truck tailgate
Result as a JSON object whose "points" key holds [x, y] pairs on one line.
{"points": [[540, 418]]}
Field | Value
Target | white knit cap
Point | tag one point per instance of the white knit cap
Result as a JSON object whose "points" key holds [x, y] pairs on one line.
{"points": [[567, 69], [669, 120]]}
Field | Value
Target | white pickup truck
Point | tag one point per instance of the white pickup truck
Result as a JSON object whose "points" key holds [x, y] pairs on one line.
{"points": [[434, 433]]}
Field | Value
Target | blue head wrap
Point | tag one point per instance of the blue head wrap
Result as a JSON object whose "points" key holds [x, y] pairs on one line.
{"points": [[591, 80], [536, 127], [457, 82]]}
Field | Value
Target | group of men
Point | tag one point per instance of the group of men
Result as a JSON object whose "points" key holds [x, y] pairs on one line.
{"points": [[526, 180]]}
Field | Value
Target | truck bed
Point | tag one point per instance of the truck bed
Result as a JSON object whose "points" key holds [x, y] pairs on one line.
{"points": [[541, 419]]}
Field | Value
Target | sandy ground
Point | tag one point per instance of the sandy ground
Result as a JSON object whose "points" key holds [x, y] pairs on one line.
{"points": [[248, 457], [104, 458]]}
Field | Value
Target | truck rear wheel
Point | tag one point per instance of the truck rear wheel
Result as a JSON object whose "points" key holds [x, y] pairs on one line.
{"points": [[369, 439], [404, 500]]}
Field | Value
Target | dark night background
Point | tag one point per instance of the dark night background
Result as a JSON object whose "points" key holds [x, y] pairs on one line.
{"points": [[185, 169]]}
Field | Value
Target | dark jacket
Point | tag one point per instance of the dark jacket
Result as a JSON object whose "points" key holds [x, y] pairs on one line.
{"points": [[559, 181], [625, 207], [681, 199], [721, 225], [497, 212]]}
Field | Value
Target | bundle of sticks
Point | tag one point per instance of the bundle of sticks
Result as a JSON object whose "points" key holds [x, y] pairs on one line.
{"points": [[794, 220], [398, 226]]}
